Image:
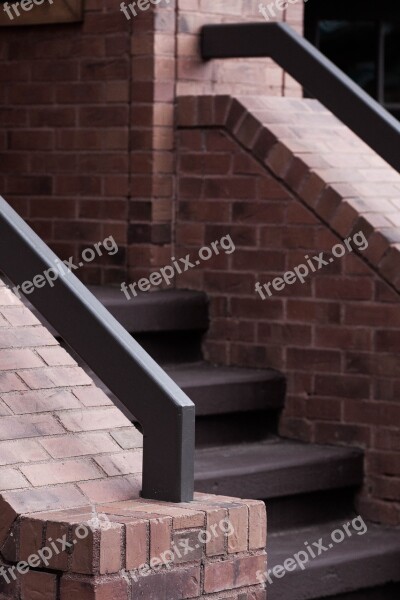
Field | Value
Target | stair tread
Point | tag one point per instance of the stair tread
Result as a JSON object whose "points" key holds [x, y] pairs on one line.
{"points": [[164, 310], [219, 389], [276, 467], [358, 562]]}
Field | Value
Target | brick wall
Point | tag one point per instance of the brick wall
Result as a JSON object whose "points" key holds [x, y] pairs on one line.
{"points": [[285, 179], [64, 122], [70, 478], [87, 124], [177, 68]]}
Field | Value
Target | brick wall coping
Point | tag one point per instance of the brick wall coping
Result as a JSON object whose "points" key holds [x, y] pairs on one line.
{"points": [[320, 160]]}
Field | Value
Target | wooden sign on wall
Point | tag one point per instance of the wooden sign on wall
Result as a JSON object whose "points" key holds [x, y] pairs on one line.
{"points": [[39, 12]]}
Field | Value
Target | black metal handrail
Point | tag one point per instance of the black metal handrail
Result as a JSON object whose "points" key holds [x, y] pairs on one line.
{"points": [[162, 408], [317, 74]]}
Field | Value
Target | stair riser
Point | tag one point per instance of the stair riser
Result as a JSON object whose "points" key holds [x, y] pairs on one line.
{"points": [[172, 347], [303, 510], [388, 592], [237, 428]]}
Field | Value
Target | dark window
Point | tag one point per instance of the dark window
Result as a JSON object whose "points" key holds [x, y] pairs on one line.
{"points": [[362, 37]]}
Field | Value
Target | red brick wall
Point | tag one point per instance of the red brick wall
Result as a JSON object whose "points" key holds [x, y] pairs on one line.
{"points": [[337, 336], [87, 125], [65, 110]]}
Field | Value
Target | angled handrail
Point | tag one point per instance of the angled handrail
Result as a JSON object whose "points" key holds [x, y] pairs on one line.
{"points": [[163, 409], [316, 73]]}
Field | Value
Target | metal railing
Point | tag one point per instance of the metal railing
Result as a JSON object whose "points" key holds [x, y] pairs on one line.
{"points": [[166, 414], [317, 74]]}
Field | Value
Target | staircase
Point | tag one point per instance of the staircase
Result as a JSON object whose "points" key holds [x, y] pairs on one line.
{"points": [[309, 489]]}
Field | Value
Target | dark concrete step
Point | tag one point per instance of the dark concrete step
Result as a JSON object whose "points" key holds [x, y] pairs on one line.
{"points": [[390, 591], [223, 390], [236, 428], [233, 405], [276, 468], [307, 509], [165, 310], [360, 567]]}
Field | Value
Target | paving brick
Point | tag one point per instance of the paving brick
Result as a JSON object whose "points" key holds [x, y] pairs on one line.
{"points": [[29, 501], [7, 298], [257, 524], [111, 549], [30, 537], [50, 377], [11, 479], [84, 558], [4, 410], [216, 544], [27, 426], [239, 519], [92, 396], [85, 589], [9, 382], [19, 316], [112, 489], [38, 586], [123, 463], [137, 544], [173, 585], [231, 574], [52, 473], [20, 451], [26, 337], [56, 357], [40, 401], [128, 438], [18, 359], [188, 546], [160, 536], [183, 517], [53, 532], [102, 418], [81, 444]]}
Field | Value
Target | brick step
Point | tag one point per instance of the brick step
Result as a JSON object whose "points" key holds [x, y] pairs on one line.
{"points": [[361, 567], [277, 469]]}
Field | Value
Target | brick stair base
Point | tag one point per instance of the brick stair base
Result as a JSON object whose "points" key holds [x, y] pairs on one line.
{"points": [[209, 548]]}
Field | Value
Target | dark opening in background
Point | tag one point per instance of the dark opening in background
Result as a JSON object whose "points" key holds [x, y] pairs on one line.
{"points": [[363, 39]]}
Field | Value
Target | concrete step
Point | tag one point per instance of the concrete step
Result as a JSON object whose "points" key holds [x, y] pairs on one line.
{"points": [[361, 567], [233, 405], [276, 468], [169, 324], [223, 390], [165, 310]]}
